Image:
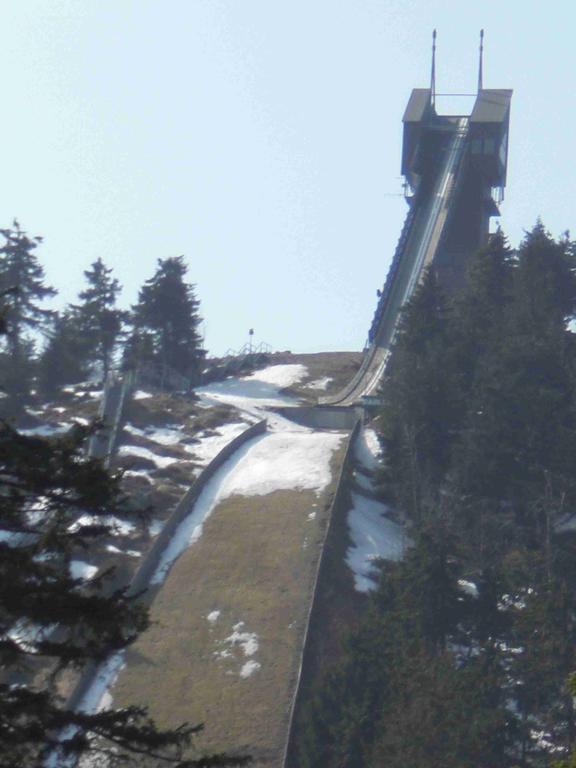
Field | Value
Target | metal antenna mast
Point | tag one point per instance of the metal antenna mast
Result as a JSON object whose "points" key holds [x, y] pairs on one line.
{"points": [[480, 62], [433, 74]]}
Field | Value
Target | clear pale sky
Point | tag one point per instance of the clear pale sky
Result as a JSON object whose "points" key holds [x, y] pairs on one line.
{"points": [[261, 139]]}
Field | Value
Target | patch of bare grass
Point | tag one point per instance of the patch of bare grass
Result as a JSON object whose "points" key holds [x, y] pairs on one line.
{"points": [[255, 563]]}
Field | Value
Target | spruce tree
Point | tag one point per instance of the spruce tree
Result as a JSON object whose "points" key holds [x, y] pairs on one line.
{"points": [[63, 360], [21, 274], [167, 312], [52, 623], [421, 402], [99, 320]]}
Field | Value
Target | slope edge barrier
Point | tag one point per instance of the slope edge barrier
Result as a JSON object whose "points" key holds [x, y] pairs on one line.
{"points": [[141, 579], [337, 506]]}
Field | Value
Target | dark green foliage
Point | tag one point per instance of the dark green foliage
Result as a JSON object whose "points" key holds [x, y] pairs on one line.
{"points": [[63, 360], [99, 320], [398, 698], [421, 400], [23, 288], [50, 622], [166, 319], [480, 435]]}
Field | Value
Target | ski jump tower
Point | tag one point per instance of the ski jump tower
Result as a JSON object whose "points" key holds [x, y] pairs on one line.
{"points": [[482, 175], [454, 168]]}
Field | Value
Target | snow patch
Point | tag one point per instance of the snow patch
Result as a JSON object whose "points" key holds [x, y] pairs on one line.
{"points": [[117, 551], [213, 617], [367, 450], [168, 435], [280, 375], [140, 394], [249, 668], [120, 527], [145, 473], [319, 383], [293, 461], [146, 453], [155, 527], [248, 641], [469, 587], [95, 698], [81, 570], [252, 393], [283, 461], [46, 430], [374, 537], [210, 446]]}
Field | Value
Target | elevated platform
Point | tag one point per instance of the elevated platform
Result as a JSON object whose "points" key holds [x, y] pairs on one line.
{"points": [[455, 168]]}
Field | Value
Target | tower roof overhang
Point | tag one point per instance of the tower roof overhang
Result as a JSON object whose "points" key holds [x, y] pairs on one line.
{"points": [[419, 105], [492, 106]]}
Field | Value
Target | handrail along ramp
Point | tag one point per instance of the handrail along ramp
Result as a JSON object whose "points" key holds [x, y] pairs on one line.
{"points": [[421, 236]]}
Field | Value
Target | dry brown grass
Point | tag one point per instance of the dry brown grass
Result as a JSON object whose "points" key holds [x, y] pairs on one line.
{"points": [[255, 563]]}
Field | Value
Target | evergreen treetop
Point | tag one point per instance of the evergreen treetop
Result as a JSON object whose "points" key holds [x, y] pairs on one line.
{"points": [[167, 311], [19, 268], [98, 319]]}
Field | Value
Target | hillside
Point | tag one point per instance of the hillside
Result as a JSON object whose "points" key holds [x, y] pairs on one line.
{"points": [[232, 592]]}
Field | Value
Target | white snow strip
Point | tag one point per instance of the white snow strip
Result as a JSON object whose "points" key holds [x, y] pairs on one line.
{"points": [[146, 453], [95, 697], [213, 617], [210, 446], [141, 395], [145, 473], [165, 435], [280, 375], [319, 383], [117, 551], [367, 449], [249, 668], [284, 461], [258, 391], [168, 435], [46, 430], [121, 527], [277, 461], [81, 570], [373, 537]]}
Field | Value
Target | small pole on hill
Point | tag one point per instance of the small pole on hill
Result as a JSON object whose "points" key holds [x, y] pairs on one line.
{"points": [[480, 61], [433, 73]]}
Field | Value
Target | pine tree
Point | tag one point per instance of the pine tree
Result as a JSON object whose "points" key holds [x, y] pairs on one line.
{"points": [[20, 271], [167, 311], [421, 403], [63, 360], [545, 281], [99, 320], [52, 622]]}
